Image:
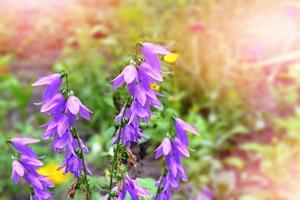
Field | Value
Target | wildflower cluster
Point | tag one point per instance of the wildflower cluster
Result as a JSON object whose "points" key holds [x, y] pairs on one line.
{"points": [[173, 150], [61, 127], [64, 107], [141, 78], [25, 165], [138, 77]]}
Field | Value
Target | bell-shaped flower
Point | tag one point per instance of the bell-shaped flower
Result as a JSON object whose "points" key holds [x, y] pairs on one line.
{"points": [[157, 49], [26, 165], [52, 83], [164, 148], [17, 171], [128, 75], [75, 106], [173, 151]]}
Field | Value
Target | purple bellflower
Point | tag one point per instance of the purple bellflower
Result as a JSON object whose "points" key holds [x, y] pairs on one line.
{"points": [[63, 113], [174, 150], [26, 165], [138, 79], [52, 83]]}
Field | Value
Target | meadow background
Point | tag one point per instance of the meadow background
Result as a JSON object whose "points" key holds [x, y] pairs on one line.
{"points": [[236, 79]]}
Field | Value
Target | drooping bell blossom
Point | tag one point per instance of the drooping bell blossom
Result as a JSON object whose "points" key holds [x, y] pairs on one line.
{"points": [[54, 105], [173, 151], [26, 165], [72, 162], [165, 193], [20, 144], [176, 170], [75, 107], [128, 75], [130, 186], [164, 148], [63, 113], [157, 49], [131, 132], [138, 80], [52, 83], [182, 128]]}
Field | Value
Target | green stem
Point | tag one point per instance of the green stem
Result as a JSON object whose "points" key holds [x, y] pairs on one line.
{"points": [[76, 135], [114, 161], [67, 83], [88, 189], [14, 153]]}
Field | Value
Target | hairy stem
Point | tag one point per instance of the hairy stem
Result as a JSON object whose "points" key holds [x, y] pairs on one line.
{"points": [[14, 153], [76, 135], [115, 158], [87, 185]]}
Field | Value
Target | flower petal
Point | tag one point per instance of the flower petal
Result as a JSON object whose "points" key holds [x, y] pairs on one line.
{"points": [[172, 165], [145, 69], [18, 168], [62, 125], [57, 100], [85, 112], [166, 145], [158, 49], [129, 73], [73, 105], [46, 80], [181, 148], [31, 161], [24, 140], [158, 151], [51, 89], [118, 81], [185, 126], [140, 94], [152, 59]]}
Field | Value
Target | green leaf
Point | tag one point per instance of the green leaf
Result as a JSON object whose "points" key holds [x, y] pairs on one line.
{"points": [[148, 183]]}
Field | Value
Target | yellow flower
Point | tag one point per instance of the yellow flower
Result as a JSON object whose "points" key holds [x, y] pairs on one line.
{"points": [[154, 86], [171, 58], [53, 175]]}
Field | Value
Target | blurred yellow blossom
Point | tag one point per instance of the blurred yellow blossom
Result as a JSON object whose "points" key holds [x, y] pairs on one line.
{"points": [[55, 176], [171, 58], [154, 86]]}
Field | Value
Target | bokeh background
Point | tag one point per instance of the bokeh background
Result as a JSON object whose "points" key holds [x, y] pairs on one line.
{"points": [[237, 80]]}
